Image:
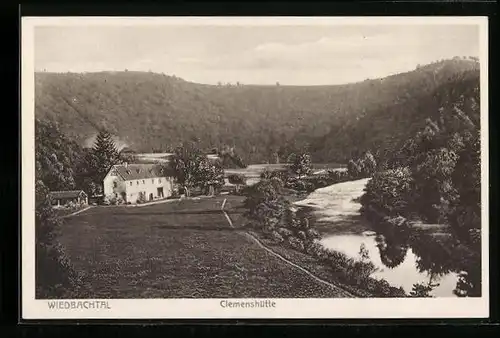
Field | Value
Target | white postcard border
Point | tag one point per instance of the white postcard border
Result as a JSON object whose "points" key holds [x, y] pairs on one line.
{"points": [[212, 308]]}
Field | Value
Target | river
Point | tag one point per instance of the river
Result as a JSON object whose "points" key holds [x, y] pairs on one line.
{"points": [[399, 260]]}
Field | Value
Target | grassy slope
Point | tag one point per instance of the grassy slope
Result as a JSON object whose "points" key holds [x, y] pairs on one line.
{"points": [[151, 110], [180, 249]]}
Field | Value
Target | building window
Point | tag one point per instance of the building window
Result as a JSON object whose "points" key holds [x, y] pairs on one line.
{"points": [[130, 182], [159, 180], [137, 182], [115, 184], [143, 182], [153, 181]]}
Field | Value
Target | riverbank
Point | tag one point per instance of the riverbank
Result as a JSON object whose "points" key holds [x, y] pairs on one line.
{"points": [[402, 257], [296, 238]]}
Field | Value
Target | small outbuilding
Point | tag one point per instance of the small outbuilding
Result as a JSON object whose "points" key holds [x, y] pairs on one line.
{"points": [[60, 198]]}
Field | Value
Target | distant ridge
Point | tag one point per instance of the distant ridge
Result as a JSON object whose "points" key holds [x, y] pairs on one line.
{"points": [[156, 111]]}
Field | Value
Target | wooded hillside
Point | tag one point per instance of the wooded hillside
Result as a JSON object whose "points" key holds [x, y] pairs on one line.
{"points": [[149, 111]]}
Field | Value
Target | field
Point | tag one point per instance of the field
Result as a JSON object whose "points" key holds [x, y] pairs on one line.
{"points": [[180, 249]]}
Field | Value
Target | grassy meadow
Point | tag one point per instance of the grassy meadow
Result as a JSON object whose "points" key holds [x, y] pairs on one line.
{"points": [[179, 249]]}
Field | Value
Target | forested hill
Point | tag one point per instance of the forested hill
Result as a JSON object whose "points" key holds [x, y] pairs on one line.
{"points": [[384, 130], [154, 111]]}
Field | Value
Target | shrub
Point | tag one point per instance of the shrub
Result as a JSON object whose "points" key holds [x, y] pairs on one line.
{"points": [[106, 200], [301, 164], [354, 169], [396, 222], [276, 237], [115, 200], [388, 193], [296, 243], [302, 235], [141, 198], [54, 273], [313, 234], [422, 290], [285, 232], [266, 194]]}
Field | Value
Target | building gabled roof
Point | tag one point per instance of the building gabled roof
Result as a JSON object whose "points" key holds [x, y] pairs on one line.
{"points": [[138, 171], [66, 194], [127, 150]]}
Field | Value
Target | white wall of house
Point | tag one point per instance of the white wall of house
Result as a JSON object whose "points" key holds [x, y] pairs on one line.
{"points": [[113, 184], [153, 188]]}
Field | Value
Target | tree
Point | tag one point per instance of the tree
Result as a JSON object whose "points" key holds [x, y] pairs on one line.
{"points": [[56, 157], [209, 175], [230, 159], [300, 164], [369, 164], [422, 290], [193, 169], [96, 162], [267, 192], [185, 165], [105, 153], [388, 193], [87, 174], [353, 169]]}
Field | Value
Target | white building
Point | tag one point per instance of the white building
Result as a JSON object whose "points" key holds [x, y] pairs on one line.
{"points": [[128, 181]]}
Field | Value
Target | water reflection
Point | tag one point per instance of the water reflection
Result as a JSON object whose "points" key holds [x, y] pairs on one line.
{"points": [[405, 257], [425, 254], [392, 254]]}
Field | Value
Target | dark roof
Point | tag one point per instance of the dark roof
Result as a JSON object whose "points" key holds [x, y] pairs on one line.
{"points": [[66, 194], [140, 171], [127, 150]]}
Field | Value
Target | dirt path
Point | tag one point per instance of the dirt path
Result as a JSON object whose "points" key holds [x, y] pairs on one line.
{"points": [[179, 250], [283, 259]]}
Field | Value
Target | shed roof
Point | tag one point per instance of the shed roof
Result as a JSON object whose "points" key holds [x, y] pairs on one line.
{"points": [[66, 194]]}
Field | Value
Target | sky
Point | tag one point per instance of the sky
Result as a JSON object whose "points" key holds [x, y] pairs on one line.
{"points": [[290, 55]]}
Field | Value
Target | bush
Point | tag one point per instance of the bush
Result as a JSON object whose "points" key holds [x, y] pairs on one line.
{"points": [[276, 237], [388, 193], [303, 185], [55, 276], [421, 290], [313, 234], [313, 248], [285, 232], [141, 198], [296, 243], [302, 235], [116, 200], [106, 200]]}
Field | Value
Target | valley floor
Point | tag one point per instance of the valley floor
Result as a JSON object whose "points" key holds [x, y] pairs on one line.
{"points": [[185, 249]]}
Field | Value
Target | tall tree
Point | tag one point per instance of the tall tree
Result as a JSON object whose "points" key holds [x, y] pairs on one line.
{"points": [[301, 164], [209, 175], [185, 164], [105, 152], [56, 157]]}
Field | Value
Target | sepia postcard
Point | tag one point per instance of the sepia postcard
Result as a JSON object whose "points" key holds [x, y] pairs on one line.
{"points": [[254, 167]]}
